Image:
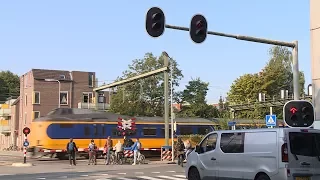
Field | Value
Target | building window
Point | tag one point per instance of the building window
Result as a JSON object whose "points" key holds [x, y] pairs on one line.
{"points": [[36, 97], [64, 97], [101, 98], [90, 79], [36, 114], [25, 100], [87, 97], [62, 76], [25, 118]]}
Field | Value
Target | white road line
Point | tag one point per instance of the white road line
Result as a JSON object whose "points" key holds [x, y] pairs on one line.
{"points": [[104, 174], [5, 174], [147, 177], [41, 178], [63, 177], [171, 171], [155, 172], [168, 177], [84, 175], [103, 179], [122, 173], [123, 178], [81, 171], [180, 176], [139, 173]]}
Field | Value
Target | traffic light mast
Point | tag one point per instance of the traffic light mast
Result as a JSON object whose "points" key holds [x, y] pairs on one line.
{"points": [[298, 113]]}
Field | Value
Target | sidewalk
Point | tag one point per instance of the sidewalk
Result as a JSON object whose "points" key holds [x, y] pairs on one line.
{"points": [[13, 153]]}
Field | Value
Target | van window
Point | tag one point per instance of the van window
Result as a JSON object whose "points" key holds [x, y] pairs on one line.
{"points": [[209, 143], [203, 130], [232, 142], [304, 144]]}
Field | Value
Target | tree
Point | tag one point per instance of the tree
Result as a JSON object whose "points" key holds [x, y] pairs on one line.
{"points": [[195, 95], [146, 96], [9, 85], [276, 76]]}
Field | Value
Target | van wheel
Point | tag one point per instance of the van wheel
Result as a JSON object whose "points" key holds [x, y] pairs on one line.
{"points": [[263, 177], [193, 174]]}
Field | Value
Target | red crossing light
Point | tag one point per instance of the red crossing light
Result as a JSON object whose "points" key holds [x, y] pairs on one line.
{"points": [[26, 131], [293, 110]]}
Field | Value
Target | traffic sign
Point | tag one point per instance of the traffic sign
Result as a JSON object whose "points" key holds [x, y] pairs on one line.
{"points": [[26, 131], [271, 120], [231, 123], [26, 143]]}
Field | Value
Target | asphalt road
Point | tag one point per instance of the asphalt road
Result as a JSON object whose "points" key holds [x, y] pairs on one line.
{"points": [[98, 172], [54, 169]]}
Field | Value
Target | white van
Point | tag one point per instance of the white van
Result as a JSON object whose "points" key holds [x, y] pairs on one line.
{"points": [[257, 154]]}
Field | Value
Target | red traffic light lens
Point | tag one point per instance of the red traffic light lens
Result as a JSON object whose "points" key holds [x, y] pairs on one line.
{"points": [[293, 110], [26, 130]]}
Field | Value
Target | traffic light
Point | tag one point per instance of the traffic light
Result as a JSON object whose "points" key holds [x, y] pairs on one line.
{"points": [[198, 28], [298, 113], [26, 131], [155, 22]]}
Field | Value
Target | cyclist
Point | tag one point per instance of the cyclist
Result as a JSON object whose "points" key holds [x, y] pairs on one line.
{"points": [[118, 149], [92, 152], [179, 149]]}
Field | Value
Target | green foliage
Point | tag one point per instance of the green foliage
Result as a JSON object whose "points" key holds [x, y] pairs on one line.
{"points": [[195, 95], [146, 96], [194, 138], [275, 76], [9, 85], [223, 124]]}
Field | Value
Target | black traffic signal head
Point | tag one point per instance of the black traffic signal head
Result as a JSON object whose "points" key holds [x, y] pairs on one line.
{"points": [[155, 22], [198, 28], [26, 131], [298, 113]]}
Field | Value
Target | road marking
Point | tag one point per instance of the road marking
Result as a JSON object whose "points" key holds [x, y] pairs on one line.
{"points": [[168, 177], [147, 177], [63, 177], [171, 171], [41, 178], [139, 173], [181, 176], [104, 174], [81, 171], [5, 174], [122, 173], [85, 175], [123, 178], [155, 172], [103, 179]]}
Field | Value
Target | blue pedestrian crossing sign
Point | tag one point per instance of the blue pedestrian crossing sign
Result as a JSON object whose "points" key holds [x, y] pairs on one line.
{"points": [[271, 120], [25, 143]]}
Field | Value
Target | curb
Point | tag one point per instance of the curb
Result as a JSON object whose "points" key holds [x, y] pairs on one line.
{"points": [[22, 165]]}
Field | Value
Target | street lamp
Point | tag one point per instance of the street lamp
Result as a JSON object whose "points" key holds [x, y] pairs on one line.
{"points": [[55, 80]]}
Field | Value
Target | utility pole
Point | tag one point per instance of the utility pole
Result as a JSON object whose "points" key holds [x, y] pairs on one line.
{"points": [[166, 98], [172, 113]]}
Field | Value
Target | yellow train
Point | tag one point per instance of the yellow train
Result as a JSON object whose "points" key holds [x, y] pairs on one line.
{"points": [[52, 132]]}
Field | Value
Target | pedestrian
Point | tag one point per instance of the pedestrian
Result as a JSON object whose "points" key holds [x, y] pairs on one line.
{"points": [[92, 152], [136, 151], [72, 149], [108, 147]]}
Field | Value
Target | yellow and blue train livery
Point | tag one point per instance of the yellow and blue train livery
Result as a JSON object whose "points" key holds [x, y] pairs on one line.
{"points": [[52, 132]]}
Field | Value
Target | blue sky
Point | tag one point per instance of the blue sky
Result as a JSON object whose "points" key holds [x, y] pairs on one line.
{"points": [[89, 36]]}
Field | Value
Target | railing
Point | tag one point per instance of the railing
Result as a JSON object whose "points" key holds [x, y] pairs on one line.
{"points": [[101, 106]]}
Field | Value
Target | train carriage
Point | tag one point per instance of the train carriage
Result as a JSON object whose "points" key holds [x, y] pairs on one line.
{"points": [[51, 133]]}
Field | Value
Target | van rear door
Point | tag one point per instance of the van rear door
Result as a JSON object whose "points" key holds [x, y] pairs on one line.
{"points": [[303, 153]]}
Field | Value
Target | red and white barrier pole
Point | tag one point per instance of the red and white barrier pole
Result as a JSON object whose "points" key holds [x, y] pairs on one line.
{"points": [[25, 150]]}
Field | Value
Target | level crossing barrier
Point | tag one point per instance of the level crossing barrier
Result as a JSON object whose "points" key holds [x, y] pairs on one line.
{"points": [[166, 153]]}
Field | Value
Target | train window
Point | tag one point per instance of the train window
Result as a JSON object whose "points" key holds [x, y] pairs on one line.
{"points": [[203, 130], [162, 132], [149, 131], [66, 125], [86, 131], [115, 132], [103, 131], [95, 130], [186, 130]]}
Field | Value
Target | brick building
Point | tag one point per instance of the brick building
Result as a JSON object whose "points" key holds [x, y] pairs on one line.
{"points": [[43, 90]]}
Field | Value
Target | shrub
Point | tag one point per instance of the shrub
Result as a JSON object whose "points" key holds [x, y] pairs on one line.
{"points": [[194, 138]]}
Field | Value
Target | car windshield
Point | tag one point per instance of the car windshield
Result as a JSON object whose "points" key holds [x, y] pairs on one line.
{"points": [[305, 144]]}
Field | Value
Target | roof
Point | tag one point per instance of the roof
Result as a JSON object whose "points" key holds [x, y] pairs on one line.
{"points": [[51, 74], [16, 101]]}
